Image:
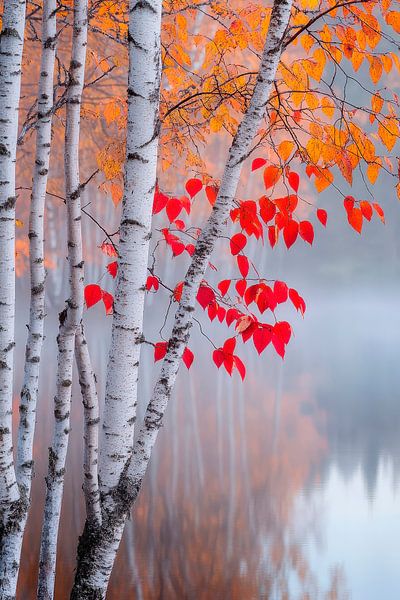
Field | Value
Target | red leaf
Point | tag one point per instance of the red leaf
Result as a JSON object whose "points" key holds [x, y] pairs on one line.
{"points": [[232, 314], [348, 204], [355, 219], [223, 286], [271, 176], [221, 313], [287, 204], [280, 291], [174, 207], [179, 224], [306, 231], [312, 170], [228, 363], [177, 248], [379, 211], [278, 345], [258, 163], [247, 327], [205, 295], [188, 357], [190, 248], [322, 216], [108, 300], [160, 201], [152, 282], [243, 264], [212, 310], [229, 345], [240, 367], [281, 220], [267, 209], [294, 180], [108, 249], [193, 187], [93, 294], [297, 116], [297, 301], [366, 209], [261, 338], [283, 330], [272, 235], [218, 357], [160, 350], [178, 291], [237, 243], [185, 202], [251, 293], [112, 268], [241, 287], [211, 193], [290, 233], [266, 299]]}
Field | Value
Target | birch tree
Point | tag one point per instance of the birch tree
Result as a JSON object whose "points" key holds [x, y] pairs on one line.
{"points": [[11, 47], [269, 102], [98, 547], [24, 464], [70, 317], [144, 41]]}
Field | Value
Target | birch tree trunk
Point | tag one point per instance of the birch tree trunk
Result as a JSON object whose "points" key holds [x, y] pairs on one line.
{"points": [[87, 381], [12, 543], [135, 235], [98, 548], [11, 47], [71, 317]]}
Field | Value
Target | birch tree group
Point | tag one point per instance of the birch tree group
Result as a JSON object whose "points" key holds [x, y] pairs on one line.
{"points": [[269, 107]]}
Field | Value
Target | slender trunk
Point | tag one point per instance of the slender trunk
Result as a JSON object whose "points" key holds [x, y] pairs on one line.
{"points": [[98, 547], [29, 393], [135, 234], [87, 381], [11, 47], [71, 317]]}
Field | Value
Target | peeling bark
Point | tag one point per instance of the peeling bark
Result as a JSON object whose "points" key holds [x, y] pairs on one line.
{"points": [[71, 317], [98, 547]]}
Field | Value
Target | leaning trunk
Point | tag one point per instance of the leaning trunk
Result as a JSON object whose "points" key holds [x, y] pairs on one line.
{"points": [[98, 546]]}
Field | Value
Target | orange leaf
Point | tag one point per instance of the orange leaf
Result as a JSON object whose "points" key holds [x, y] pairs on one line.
{"points": [[271, 176], [355, 218]]}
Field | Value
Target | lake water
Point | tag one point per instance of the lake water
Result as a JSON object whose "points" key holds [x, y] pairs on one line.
{"points": [[284, 487]]}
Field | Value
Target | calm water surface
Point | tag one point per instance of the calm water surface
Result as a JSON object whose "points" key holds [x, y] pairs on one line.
{"points": [[286, 487]]}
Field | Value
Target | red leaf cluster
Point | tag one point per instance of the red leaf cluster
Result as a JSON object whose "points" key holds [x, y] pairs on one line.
{"points": [[93, 294], [224, 356]]}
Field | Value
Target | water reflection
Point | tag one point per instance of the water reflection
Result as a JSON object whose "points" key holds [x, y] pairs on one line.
{"points": [[284, 488]]}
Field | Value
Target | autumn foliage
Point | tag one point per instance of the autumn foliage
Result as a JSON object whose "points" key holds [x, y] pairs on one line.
{"points": [[332, 121], [319, 135]]}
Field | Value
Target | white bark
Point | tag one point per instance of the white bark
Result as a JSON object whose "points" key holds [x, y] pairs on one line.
{"points": [[97, 549], [71, 317], [135, 233], [24, 464], [11, 47], [87, 381]]}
